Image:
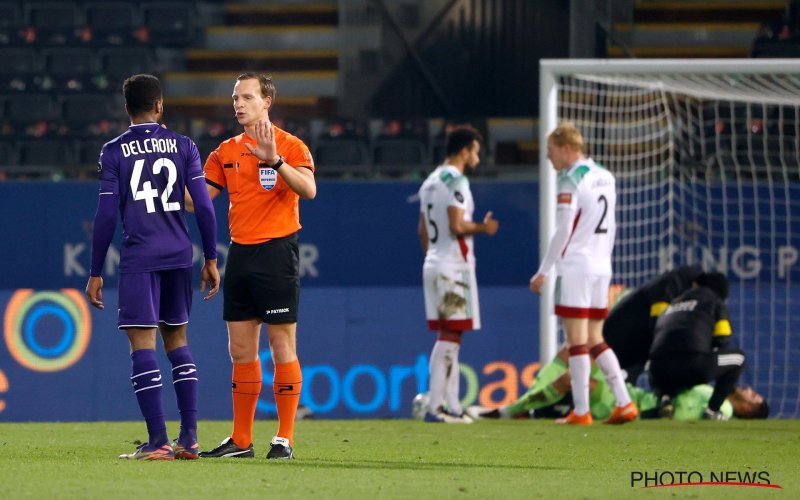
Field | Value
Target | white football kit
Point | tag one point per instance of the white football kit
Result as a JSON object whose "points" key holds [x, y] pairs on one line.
{"points": [[584, 239], [448, 274]]}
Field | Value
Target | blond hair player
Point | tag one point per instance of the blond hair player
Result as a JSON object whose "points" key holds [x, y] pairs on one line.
{"points": [[581, 251]]}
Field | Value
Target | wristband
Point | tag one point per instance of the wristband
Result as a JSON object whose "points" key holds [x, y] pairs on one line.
{"points": [[278, 163]]}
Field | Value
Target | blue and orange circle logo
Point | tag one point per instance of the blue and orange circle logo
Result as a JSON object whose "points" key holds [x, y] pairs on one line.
{"points": [[47, 331]]}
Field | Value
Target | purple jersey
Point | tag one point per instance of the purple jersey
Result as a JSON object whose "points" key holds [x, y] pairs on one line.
{"points": [[147, 169]]}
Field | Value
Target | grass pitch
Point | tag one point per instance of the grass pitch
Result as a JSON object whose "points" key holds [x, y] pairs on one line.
{"points": [[408, 459]]}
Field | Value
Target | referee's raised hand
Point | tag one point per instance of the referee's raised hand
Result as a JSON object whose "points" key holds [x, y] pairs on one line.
{"points": [[265, 149]]}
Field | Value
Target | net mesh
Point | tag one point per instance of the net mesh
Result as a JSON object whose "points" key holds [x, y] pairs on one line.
{"points": [[708, 173]]}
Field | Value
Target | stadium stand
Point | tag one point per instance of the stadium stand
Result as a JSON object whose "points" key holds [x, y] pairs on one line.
{"points": [[83, 109], [398, 157], [111, 23], [780, 38], [342, 158], [69, 58], [704, 28], [20, 64], [88, 150], [52, 23], [120, 62], [302, 56], [69, 62], [169, 24], [63, 63], [10, 20], [45, 152], [24, 109]]}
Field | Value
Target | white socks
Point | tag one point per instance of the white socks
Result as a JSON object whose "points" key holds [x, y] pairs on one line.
{"points": [[579, 367], [443, 368], [608, 362]]}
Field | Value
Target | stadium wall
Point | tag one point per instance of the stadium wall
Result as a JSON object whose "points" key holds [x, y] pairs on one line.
{"points": [[362, 335]]}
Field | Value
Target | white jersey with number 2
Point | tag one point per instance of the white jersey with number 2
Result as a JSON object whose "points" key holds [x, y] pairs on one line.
{"points": [[586, 225]]}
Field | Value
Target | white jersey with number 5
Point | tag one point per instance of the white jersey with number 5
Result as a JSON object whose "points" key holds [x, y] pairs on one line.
{"points": [[446, 187], [587, 202]]}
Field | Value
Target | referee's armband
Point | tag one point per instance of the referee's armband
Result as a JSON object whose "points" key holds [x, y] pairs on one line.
{"points": [[722, 328]]}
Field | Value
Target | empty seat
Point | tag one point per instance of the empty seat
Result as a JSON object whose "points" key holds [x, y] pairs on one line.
{"points": [[120, 63], [80, 109], [18, 61], [54, 22], [438, 152], [8, 153], [341, 157], [395, 157], [110, 19], [169, 23], [89, 151], [29, 108], [19, 69], [45, 152], [69, 62], [10, 21], [9, 15]]}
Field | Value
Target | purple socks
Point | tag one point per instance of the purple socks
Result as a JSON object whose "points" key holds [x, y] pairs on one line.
{"points": [[146, 381], [184, 379]]}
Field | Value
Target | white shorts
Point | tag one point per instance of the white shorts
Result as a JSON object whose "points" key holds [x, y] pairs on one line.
{"points": [[582, 296], [451, 297]]}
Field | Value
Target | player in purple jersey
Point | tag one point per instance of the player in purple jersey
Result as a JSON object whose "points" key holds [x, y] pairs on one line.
{"points": [[143, 173]]}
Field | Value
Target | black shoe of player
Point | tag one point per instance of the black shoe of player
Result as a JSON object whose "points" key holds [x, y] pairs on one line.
{"points": [[229, 449], [490, 414], [279, 449]]}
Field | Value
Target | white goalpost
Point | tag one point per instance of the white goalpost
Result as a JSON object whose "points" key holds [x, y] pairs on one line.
{"points": [[707, 159]]}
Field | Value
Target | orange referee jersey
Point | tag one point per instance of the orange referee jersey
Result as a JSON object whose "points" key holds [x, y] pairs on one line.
{"points": [[262, 205]]}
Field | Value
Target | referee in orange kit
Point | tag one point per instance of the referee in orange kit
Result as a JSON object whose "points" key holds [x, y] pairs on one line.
{"points": [[266, 171]]}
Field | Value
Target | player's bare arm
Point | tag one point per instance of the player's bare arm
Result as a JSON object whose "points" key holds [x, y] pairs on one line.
{"points": [[422, 231], [300, 180], [461, 227], [213, 191]]}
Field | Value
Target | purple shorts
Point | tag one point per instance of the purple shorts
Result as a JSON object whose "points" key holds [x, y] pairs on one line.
{"points": [[145, 299]]}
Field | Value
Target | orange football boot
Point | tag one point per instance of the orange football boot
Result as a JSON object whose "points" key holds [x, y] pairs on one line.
{"points": [[623, 414], [574, 419]]}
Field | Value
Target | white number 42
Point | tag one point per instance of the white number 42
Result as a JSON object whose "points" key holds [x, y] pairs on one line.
{"points": [[148, 192]]}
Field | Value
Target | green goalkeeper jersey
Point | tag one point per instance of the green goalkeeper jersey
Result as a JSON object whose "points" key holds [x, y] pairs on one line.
{"points": [[691, 403], [602, 402], [688, 405]]}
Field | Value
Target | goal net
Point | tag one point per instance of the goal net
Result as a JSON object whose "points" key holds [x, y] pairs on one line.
{"points": [[707, 159]]}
